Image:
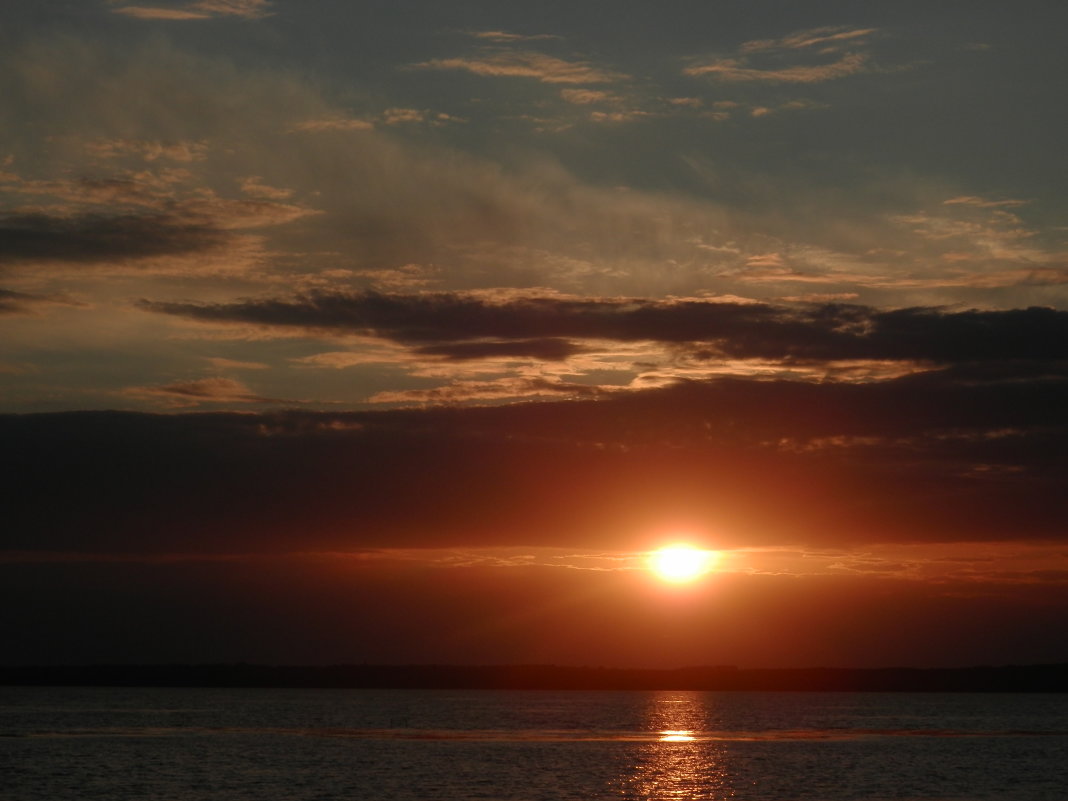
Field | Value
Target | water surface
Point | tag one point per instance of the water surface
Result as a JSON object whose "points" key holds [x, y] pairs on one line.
{"points": [[197, 744]]}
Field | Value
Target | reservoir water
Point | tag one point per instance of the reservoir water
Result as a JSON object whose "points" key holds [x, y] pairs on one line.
{"points": [[67, 744]]}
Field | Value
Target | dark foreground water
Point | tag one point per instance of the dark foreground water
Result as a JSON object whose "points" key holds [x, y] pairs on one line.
{"points": [[191, 744]]}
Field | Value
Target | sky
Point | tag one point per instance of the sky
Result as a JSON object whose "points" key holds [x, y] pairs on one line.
{"points": [[404, 332]]}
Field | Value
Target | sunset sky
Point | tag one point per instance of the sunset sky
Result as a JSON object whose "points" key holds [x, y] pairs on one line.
{"points": [[403, 331]]}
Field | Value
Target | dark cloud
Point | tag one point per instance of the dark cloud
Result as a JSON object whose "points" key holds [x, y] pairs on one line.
{"points": [[732, 330], [12, 302], [944, 456], [300, 611], [86, 238]]}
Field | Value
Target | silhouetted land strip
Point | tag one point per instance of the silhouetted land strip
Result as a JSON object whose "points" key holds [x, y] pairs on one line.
{"points": [[1027, 678]]}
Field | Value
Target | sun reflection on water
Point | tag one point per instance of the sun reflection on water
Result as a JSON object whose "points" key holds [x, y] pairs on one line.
{"points": [[676, 736], [683, 762]]}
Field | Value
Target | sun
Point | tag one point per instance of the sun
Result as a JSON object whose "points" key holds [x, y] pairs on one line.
{"points": [[681, 563]]}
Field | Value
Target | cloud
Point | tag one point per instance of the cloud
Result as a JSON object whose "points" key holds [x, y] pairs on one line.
{"points": [[392, 202], [148, 133], [335, 124], [132, 216], [201, 9], [82, 93], [124, 189], [586, 97], [148, 150], [1034, 276], [505, 37], [982, 203], [525, 64], [242, 8], [371, 352], [548, 349], [972, 229], [12, 302], [201, 391], [153, 12], [792, 105], [233, 364], [736, 70], [950, 455], [389, 204], [405, 278], [142, 242], [92, 238], [730, 330], [487, 610], [397, 116], [619, 116], [772, 60], [253, 185], [827, 37], [468, 391]]}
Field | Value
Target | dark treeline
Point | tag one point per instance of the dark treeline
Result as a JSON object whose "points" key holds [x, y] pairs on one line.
{"points": [[1029, 678]]}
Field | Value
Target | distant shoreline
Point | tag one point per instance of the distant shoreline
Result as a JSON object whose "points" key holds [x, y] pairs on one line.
{"points": [[1011, 678]]}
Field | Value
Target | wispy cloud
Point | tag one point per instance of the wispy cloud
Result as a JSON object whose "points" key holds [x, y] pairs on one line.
{"points": [[394, 115], [809, 56], [828, 38], [399, 116], [974, 229], [983, 203], [737, 70], [792, 105], [243, 8], [135, 216], [335, 124], [202, 9], [200, 391], [466, 391], [147, 150], [253, 186], [506, 37], [12, 302], [526, 64], [620, 116], [221, 363], [156, 13], [587, 97]]}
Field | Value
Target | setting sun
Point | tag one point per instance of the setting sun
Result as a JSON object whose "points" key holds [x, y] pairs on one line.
{"points": [[681, 563]]}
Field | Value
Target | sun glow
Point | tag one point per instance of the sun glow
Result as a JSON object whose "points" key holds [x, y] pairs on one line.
{"points": [[681, 563]]}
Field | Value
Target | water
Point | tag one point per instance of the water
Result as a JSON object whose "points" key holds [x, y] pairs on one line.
{"points": [[197, 744]]}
